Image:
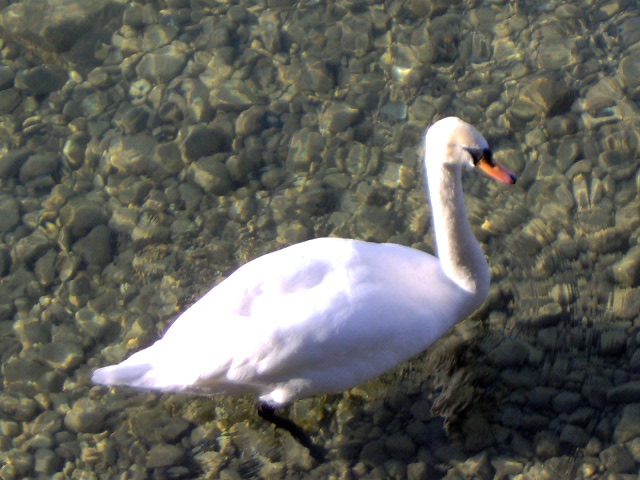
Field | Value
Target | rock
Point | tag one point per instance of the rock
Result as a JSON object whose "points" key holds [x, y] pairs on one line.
{"points": [[11, 161], [509, 354], [95, 248], [547, 444], [62, 356], [46, 461], [629, 425], [6, 78], [574, 436], [86, 416], [357, 34], [543, 96], [38, 165], [201, 141], [41, 80], [307, 75], [131, 154], [73, 152], [625, 393], [68, 28], [30, 248], [149, 231], [566, 402], [627, 270], [166, 161], [158, 35], [162, 65], [211, 174], [18, 408], [337, 117], [80, 216], [617, 459], [45, 267], [9, 100], [613, 342], [251, 121], [9, 213], [164, 455], [235, 95], [305, 149], [629, 70], [400, 445]]}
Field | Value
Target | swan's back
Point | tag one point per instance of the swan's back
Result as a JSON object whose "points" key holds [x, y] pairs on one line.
{"points": [[320, 316]]}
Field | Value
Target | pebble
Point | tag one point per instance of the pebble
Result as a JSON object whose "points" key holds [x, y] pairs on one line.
{"points": [[86, 416], [626, 271], [164, 455], [38, 165], [162, 65], [9, 213], [81, 216], [41, 80], [617, 459], [211, 174]]}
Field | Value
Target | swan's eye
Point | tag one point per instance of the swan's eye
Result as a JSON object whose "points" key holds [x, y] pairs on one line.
{"points": [[478, 154]]}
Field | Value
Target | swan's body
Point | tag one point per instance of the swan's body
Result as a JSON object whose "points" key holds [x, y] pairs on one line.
{"points": [[327, 314]]}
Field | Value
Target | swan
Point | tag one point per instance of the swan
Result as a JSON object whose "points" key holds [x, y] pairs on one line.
{"points": [[327, 314]]}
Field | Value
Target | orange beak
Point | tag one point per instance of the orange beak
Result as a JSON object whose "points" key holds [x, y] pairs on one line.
{"points": [[496, 171]]}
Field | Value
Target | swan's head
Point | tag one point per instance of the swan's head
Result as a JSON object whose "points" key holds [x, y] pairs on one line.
{"points": [[452, 141]]}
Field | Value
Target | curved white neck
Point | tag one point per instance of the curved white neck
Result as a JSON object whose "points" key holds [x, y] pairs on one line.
{"points": [[460, 254]]}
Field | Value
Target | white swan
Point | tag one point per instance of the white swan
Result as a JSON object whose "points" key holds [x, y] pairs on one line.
{"points": [[327, 314]]}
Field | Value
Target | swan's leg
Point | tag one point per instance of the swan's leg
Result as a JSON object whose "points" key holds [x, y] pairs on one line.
{"points": [[267, 412]]}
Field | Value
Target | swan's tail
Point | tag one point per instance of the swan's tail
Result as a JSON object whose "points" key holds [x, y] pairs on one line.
{"points": [[150, 368]]}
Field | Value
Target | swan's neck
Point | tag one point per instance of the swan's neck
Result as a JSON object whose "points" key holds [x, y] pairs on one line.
{"points": [[460, 255]]}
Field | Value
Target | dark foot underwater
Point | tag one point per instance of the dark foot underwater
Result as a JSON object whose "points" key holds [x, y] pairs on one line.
{"points": [[268, 413]]}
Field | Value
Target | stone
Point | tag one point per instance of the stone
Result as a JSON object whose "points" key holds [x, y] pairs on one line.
{"points": [[18, 408], [400, 445], [9, 213], [547, 445], [11, 161], [628, 426], [9, 100], [38, 165], [337, 117], [542, 96], [305, 149], [251, 121], [211, 174], [613, 342], [6, 78], [41, 80], [629, 70], [566, 402], [574, 436], [86, 416], [95, 248], [46, 461], [62, 356], [164, 455], [201, 141], [131, 154], [162, 65], [509, 354], [234, 95], [80, 216], [625, 393], [626, 271], [617, 459], [30, 248], [45, 267]]}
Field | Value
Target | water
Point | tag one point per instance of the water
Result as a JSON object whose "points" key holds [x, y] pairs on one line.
{"points": [[147, 156]]}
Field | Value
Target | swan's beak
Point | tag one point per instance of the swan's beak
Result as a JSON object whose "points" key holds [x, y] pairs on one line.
{"points": [[500, 173]]}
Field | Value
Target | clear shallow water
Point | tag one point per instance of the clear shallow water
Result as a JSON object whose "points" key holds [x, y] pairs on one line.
{"points": [[179, 140]]}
